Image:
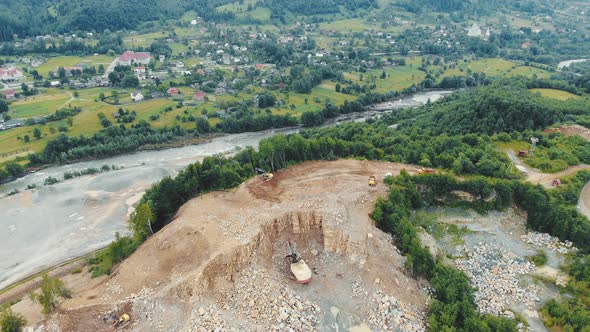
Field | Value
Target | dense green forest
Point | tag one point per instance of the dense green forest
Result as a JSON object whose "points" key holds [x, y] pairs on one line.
{"points": [[480, 7], [31, 18], [504, 106]]}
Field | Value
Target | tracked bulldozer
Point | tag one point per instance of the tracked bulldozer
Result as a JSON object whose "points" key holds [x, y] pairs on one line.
{"points": [[299, 269]]}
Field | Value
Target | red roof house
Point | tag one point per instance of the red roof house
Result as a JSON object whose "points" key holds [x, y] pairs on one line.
{"points": [[173, 91]]}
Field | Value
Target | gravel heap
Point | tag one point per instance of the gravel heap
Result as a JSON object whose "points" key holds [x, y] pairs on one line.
{"points": [[389, 314], [494, 273], [548, 241]]}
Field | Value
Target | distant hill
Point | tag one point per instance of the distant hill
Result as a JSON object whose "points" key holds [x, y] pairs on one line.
{"points": [[37, 17]]}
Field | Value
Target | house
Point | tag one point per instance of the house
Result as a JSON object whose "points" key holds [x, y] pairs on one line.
{"points": [[136, 96], [220, 91], [140, 72], [172, 91], [536, 29], [10, 74], [179, 64], [201, 72], [162, 58], [199, 96], [129, 57], [259, 66], [194, 22], [71, 70], [525, 45], [9, 94], [474, 31]]}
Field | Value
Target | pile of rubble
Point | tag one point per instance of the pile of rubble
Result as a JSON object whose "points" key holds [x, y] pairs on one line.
{"points": [[494, 272], [389, 314], [548, 241], [261, 299]]}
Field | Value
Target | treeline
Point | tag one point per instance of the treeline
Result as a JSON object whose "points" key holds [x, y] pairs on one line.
{"points": [[358, 140], [453, 308], [506, 105], [552, 212], [107, 142], [32, 18], [281, 9]]}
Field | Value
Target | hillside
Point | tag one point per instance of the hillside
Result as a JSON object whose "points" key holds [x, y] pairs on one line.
{"points": [[215, 267]]}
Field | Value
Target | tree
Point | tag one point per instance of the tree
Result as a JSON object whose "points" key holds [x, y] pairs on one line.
{"points": [[37, 133], [27, 139], [3, 106], [51, 290], [25, 89], [141, 222], [101, 96], [105, 123], [383, 75], [130, 81], [337, 87], [11, 322]]}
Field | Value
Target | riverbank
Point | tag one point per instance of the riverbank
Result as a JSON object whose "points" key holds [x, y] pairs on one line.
{"points": [[43, 227]]}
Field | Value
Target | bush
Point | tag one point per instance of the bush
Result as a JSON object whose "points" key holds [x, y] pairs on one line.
{"points": [[539, 259], [10, 321], [51, 290]]}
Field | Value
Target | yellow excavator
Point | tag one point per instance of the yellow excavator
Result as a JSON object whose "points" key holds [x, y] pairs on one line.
{"points": [[117, 321], [372, 181], [266, 176], [299, 269]]}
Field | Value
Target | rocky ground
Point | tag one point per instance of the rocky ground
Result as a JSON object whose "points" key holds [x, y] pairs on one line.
{"points": [[220, 266]]}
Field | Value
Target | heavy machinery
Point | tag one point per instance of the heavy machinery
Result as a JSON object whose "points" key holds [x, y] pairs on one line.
{"points": [[299, 269], [372, 181], [117, 321], [123, 320], [426, 171], [266, 176]]}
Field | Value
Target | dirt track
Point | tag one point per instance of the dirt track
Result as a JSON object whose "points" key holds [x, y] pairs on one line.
{"points": [[207, 259]]}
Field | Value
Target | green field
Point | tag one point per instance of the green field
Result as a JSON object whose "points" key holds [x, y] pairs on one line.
{"points": [[39, 105], [495, 67], [556, 94], [144, 40], [67, 61]]}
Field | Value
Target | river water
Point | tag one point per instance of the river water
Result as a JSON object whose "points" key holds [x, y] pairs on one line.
{"points": [[564, 64], [46, 226]]}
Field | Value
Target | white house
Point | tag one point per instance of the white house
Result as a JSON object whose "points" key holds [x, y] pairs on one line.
{"points": [[136, 96], [129, 57]]}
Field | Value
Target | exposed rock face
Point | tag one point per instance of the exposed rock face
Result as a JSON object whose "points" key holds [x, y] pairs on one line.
{"points": [[221, 264]]}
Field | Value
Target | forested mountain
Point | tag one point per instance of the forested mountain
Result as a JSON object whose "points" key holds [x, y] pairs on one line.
{"points": [[475, 6], [30, 18], [505, 106]]}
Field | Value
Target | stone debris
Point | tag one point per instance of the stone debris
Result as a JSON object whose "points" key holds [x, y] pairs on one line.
{"points": [[548, 241], [494, 272], [389, 314], [257, 300]]}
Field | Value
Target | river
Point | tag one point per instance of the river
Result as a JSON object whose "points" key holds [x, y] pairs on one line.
{"points": [[567, 63], [51, 224]]}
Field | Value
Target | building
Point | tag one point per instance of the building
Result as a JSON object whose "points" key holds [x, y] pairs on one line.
{"points": [[136, 96], [199, 96], [173, 91], [11, 74], [476, 31], [129, 57], [9, 94], [140, 72], [71, 71]]}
